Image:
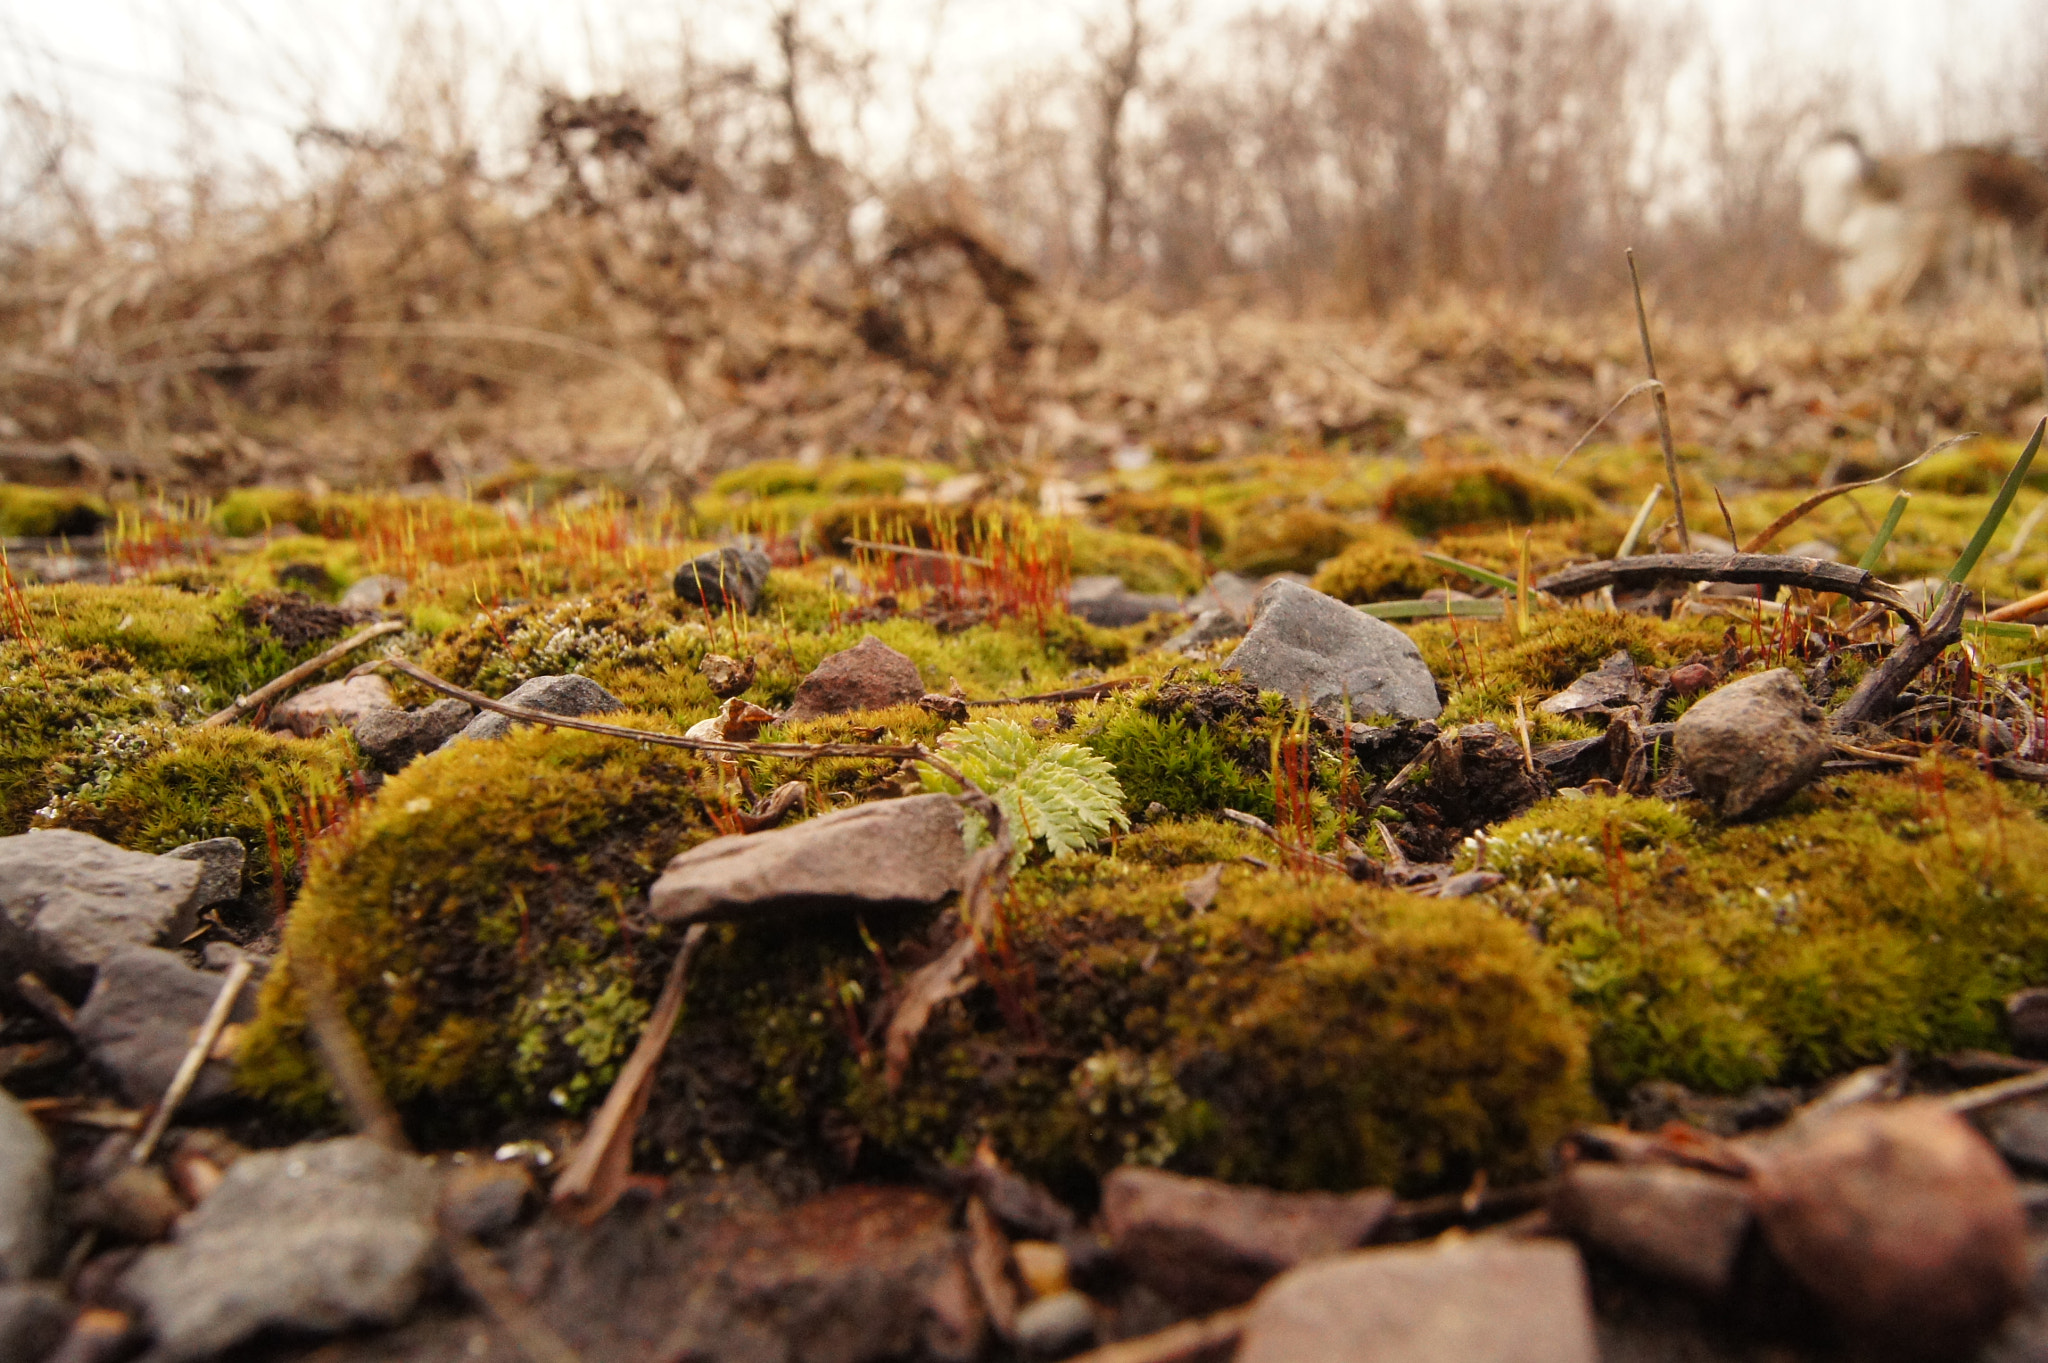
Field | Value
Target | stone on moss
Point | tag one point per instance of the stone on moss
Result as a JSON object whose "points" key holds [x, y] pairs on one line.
{"points": [[565, 695], [1314, 649]]}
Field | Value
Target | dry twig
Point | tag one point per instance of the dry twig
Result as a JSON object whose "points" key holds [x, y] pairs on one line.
{"points": [[195, 1056], [1768, 570], [1663, 406], [244, 704]]}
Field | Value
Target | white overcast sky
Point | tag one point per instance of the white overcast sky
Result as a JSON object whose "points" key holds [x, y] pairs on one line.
{"points": [[261, 68]]}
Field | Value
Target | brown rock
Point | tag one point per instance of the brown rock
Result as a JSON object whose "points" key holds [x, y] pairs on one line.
{"points": [[331, 705], [1689, 678], [1203, 1244], [868, 676], [1675, 1223], [726, 677], [1902, 1219], [1478, 1301], [1752, 744], [484, 1198], [889, 853]]}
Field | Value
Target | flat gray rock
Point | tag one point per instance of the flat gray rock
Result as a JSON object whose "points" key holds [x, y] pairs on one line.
{"points": [[145, 1008], [1476, 1302], [1106, 601], [724, 577], [1212, 627], [68, 900], [25, 1192], [1304, 644], [222, 860], [1201, 1243], [893, 852], [564, 695], [1752, 744], [316, 1238], [393, 738], [1228, 592]]}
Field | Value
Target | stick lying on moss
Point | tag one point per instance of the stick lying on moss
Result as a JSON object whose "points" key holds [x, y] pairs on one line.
{"points": [[1763, 570], [244, 704]]}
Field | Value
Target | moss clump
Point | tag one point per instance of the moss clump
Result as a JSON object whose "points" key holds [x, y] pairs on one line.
{"points": [[1145, 563], [897, 520], [478, 920], [43, 511], [1186, 767], [1301, 1035], [1372, 571], [1181, 520], [1882, 912], [259, 510], [1558, 648], [769, 478], [1442, 495], [1295, 540]]}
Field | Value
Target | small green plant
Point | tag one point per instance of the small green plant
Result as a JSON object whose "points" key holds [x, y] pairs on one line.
{"points": [[1061, 795]]}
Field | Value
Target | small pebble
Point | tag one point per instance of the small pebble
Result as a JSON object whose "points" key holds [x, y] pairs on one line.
{"points": [[1056, 1325]]}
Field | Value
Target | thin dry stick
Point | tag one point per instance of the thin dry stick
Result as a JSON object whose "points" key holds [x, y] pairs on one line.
{"points": [[1757, 542], [1182, 1343], [1094, 692], [2004, 1091], [596, 1172], [2024, 533], [492, 1288], [912, 551], [2022, 608], [347, 1063], [244, 704], [1663, 407], [195, 1056], [1646, 386], [1260, 826]]}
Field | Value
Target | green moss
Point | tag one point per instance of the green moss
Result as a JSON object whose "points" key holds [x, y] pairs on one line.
{"points": [[477, 916], [1294, 540], [43, 511], [253, 511], [1376, 571], [1884, 912], [1442, 495], [1559, 648], [1973, 469], [1146, 563], [1180, 519], [769, 478], [1300, 1035], [1186, 768]]}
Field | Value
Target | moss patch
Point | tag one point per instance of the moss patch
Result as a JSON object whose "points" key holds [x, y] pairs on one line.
{"points": [[1442, 495], [43, 511]]}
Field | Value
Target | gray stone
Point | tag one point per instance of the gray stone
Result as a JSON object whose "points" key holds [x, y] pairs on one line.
{"points": [[1055, 1325], [1675, 1223], [868, 676], [34, 1318], [1202, 1244], [1107, 602], [2026, 1022], [1752, 744], [1305, 644], [25, 1191], [222, 860], [724, 577], [1615, 683], [1475, 1302], [393, 738], [331, 705], [893, 852], [1211, 627], [1226, 591], [377, 592], [145, 1008], [565, 695], [68, 900], [2020, 1131], [319, 1238]]}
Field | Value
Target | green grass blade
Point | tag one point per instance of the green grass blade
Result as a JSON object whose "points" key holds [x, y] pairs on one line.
{"points": [[2001, 629], [1477, 574], [1868, 563], [1426, 610], [1999, 506]]}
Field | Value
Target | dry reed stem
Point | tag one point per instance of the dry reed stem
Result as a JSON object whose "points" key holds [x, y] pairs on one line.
{"points": [[1663, 406], [195, 1056]]}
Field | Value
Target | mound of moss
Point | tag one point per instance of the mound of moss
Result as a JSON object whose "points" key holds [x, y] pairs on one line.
{"points": [[1178, 519], [1376, 571], [1971, 470], [1293, 540], [1873, 913], [44, 511], [1145, 563], [1447, 494]]}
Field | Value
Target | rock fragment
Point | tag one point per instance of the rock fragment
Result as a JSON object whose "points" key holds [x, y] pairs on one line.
{"points": [[377, 592], [1201, 1243], [1477, 1302], [484, 1198], [1672, 1222], [1615, 683], [1228, 592], [68, 900], [222, 861], [726, 677], [892, 853], [1902, 1220], [315, 1238], [1055, 1325], [33, 1320], [2020, 1132], [2026, 1022], [1106, 601], [1752, 744], [393, 738], [868, 676], [145, 1007], [1212, 627], [1306, 645], [25, 1191], [563, 695], [331, 705], [724, 577]]}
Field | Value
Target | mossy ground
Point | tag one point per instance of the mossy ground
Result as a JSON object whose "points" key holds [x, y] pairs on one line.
{"points": [[481, 915]]}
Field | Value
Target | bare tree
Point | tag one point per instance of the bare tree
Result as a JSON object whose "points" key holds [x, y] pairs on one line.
{"points": [[1119, 55]]}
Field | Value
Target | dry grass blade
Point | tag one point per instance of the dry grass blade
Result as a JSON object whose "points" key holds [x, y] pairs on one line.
{"points": [[1663, 406], [492, 1288], [1646, 386], [194, 1057], [596, 1174], [1272, 834], [912, 551], [244, 704], [1727, 517], [2020, 536], [2024, 607], [1825, 495], [1636, 526], [1095, 692], [346, 1062]]}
